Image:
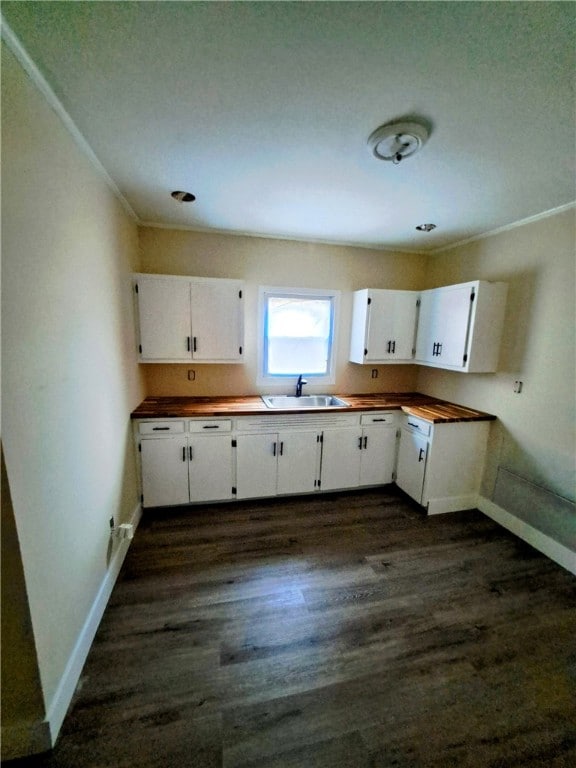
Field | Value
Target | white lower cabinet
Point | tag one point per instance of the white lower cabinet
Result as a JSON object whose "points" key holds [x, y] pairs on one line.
{"points": [[440, 465], [184, 461], [179, 468], [210, 467], [164, 465], [276, 463], [361, 455]]}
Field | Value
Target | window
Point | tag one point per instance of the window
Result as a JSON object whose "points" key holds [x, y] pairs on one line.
{"points": [[297, 334]]}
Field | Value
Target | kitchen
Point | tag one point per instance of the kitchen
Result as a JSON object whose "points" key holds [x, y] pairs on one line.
{"points": [[71, 376]]}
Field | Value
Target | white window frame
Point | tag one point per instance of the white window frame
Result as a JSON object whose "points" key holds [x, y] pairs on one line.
{"points": [[285, 381]]}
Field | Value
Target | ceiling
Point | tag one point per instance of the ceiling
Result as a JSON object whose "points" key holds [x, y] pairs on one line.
{"points": [[263, 111]]}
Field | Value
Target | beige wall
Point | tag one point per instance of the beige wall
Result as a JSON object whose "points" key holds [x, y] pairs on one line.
{"points": [[22, 702], [261, 261], [535, 434], [69, 375]]}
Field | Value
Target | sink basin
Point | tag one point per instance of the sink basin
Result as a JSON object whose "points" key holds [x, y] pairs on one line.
{"points": [[305, 401]]}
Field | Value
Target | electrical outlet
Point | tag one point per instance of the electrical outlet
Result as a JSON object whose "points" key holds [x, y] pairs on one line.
{"points": [[374, 373], [191, 375]]}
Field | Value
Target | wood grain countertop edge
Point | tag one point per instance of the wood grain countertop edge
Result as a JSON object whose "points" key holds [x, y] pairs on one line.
{"points": [[428, 408]]}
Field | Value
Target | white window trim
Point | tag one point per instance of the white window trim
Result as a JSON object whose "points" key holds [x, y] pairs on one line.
{"points": [[285, 382]]}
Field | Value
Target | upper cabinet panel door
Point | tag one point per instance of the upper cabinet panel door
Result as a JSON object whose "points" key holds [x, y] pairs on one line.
{"points": [[405, 309], [380, 325], [453, 312], [164, 316], [427, 327], [217, 326]]}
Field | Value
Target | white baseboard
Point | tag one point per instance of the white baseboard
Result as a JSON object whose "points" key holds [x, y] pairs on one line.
{"points": [[452, 504], [540, 541], [56, 711]]}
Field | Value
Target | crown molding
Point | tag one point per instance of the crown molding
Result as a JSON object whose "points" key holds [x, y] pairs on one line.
{"points": [[23, 57], [507, 227], [288, 238]]}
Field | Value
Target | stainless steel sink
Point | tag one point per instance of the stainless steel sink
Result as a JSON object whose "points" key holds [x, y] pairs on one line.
{"points": [[305, 401]]}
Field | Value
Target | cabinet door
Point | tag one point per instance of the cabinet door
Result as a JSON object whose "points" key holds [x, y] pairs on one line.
{"points": [[341, 449], [412, 464], [380, 322], [453, 313], [404, 329], [297, 462], [427, 327], [164, 464], [216, 320], [164, 316], [378, 455], [210, 467], [256, 465], [391, 321]]}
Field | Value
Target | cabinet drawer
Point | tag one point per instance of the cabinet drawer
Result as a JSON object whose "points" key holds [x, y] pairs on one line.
{"points": [[417, 425], [384, 419], [212, 425], [160, 427]]}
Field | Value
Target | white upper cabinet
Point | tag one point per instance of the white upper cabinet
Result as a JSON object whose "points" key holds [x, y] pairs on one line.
{"points": [[383, 326], [183, 319], [460, 326]]}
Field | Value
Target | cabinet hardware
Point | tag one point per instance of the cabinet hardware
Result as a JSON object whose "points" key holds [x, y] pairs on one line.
{"points": [[417, 302], [194, 344], [188, 343], [234, 491], [190, 452], [472, 296], [465, 358], [273, 449], [416, 426], [394, 347], [234, 444], [160, 429], [240, 350], [440, 345], [360, 442], [421, 454], [375, 420], [281, 449], [183, 454], [365, 352], [136, 287], [389, 349], [365, 442], [140, 348], [140, 447], [239, 294], [211, 426], [142, 498], [369, 300], [434, 349]]}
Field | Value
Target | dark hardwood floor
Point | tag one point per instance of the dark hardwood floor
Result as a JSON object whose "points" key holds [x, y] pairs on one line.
{"points": [[338, 631]]}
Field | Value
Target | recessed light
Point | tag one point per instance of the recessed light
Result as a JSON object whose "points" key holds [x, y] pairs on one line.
{"points": [[183, 197], [426, 227]]}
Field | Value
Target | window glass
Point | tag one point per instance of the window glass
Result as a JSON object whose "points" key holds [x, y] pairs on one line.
{"points": [[298, 333]]}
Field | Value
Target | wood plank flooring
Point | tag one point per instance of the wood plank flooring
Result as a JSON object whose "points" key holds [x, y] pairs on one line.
{"points": [[340, 631]]}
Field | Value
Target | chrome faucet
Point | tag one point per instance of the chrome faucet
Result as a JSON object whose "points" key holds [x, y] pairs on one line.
{"points": [[299, 384]]}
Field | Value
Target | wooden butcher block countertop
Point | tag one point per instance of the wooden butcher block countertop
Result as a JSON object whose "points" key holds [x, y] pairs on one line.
{"points": [[424, 407]]}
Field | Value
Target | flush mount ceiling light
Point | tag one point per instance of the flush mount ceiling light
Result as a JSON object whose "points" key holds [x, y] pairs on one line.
{"points": [[426, 227], [183, 197], [397, 141]]}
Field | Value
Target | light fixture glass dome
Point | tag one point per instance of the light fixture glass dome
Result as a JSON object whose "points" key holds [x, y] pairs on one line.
{"points": [[396, 141]]}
